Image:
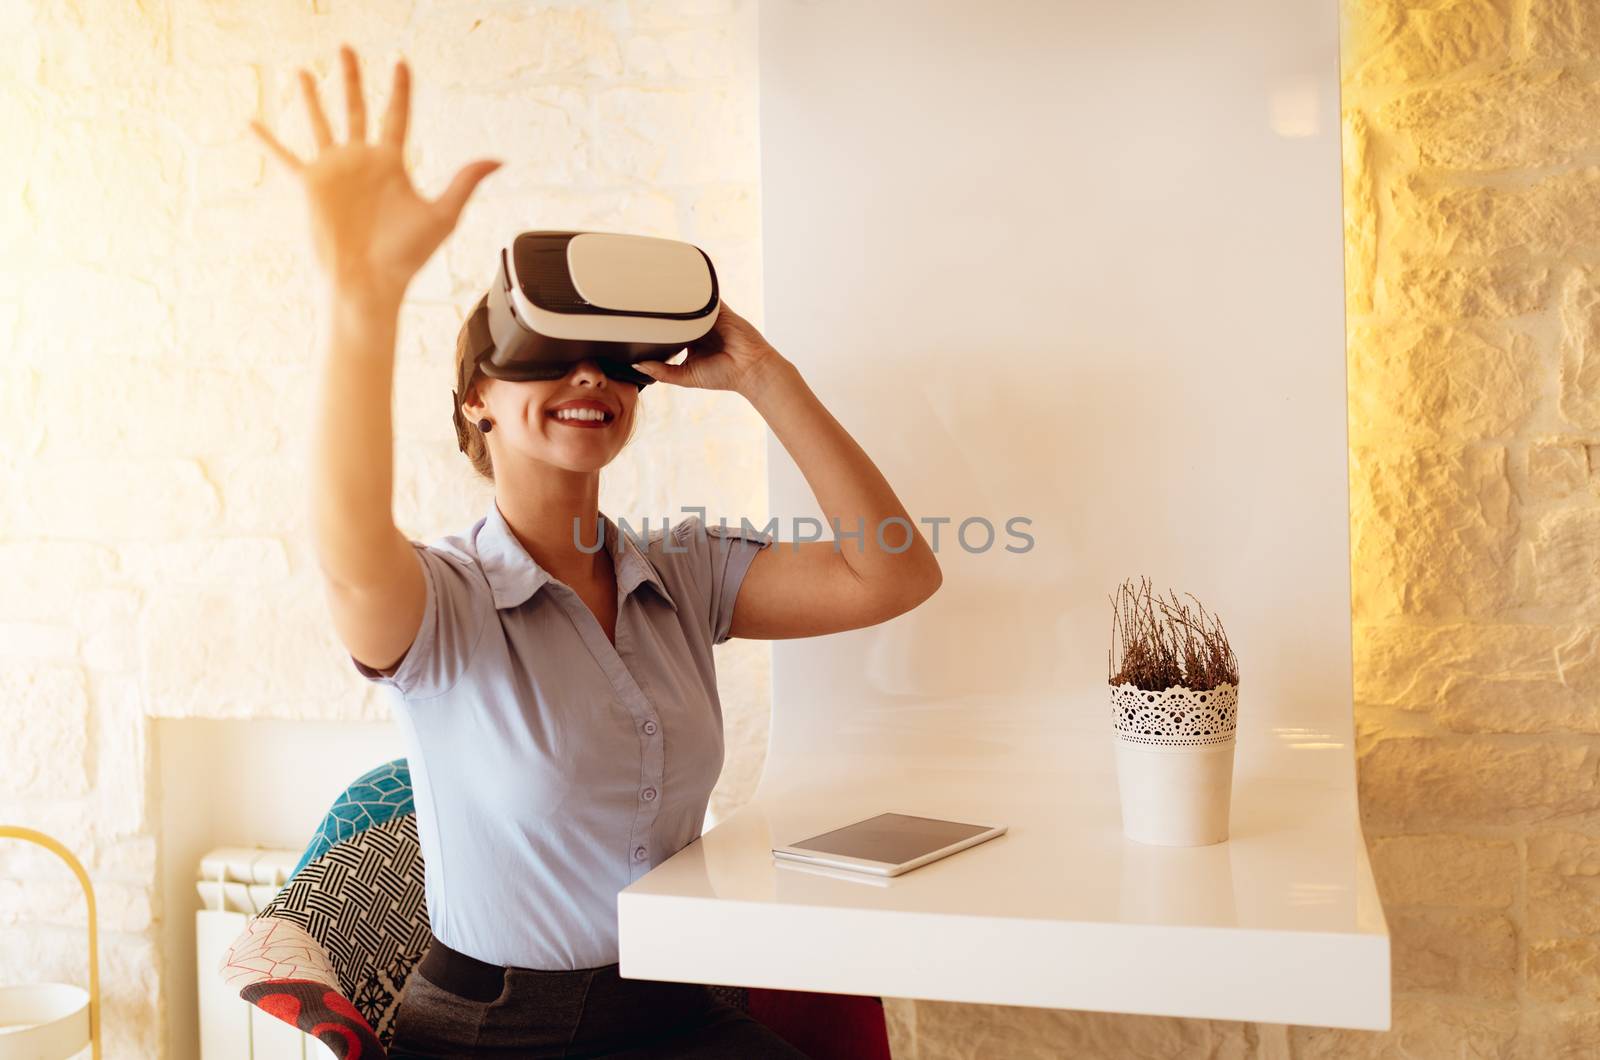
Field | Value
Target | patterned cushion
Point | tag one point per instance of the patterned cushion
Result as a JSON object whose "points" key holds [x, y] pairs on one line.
{"points": [[363, 901], [352, 917]]}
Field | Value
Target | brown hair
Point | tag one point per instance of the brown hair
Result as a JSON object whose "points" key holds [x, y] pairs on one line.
{"points": [[468, 437]]}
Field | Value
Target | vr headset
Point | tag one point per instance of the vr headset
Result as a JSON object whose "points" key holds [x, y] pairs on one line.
{"points": [[560, 297]]}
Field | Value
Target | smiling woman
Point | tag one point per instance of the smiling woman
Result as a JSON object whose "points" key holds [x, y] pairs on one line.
{"points": [[558, 698]]}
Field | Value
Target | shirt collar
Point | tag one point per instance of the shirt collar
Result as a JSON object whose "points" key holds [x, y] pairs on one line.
{"points": [[515, 576]]}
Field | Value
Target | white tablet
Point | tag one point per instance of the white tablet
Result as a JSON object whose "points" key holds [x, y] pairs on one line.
{"points": [[888, 844]]}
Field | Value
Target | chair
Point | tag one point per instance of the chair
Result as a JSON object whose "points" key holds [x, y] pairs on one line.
{"points": [[331, 953]]}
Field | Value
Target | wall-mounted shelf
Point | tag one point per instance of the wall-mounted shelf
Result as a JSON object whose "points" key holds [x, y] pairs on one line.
{"points": [[1280, 924]]}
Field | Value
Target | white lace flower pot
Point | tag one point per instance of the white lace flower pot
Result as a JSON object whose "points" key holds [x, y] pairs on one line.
{"points": [[1175, 762]]}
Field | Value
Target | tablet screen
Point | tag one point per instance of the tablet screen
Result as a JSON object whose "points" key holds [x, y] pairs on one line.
{"points": [[891, 837]]}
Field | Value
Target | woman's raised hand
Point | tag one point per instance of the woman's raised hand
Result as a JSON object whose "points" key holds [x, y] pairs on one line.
{"points": [[371, 229]]}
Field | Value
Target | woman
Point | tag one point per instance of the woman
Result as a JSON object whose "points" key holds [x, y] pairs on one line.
{"points": [[558, 698]]}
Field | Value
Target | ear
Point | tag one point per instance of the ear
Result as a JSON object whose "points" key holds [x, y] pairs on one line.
{"points": [[472, 404]]}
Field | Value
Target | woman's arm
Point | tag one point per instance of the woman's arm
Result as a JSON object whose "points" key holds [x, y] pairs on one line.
{"points": [[352, 476], [371, 581], [806, 589], [818, 587], [372, 232]]}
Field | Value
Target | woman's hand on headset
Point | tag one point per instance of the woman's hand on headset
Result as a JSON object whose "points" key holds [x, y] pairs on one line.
{"points": [[733, 355], [371, 229]]}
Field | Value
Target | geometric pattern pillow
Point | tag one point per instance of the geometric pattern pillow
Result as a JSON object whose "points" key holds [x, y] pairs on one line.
{"points": [[333, 949], [364, 903]]}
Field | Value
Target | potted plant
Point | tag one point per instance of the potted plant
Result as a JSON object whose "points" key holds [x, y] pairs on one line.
{"points": [[1174, 698]]}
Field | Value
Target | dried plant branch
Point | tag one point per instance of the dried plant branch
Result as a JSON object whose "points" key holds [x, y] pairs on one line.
{"points": [[1180, 645]]}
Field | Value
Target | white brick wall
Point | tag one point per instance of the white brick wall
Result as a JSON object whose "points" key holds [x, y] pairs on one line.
{"points": [[158, 308]]}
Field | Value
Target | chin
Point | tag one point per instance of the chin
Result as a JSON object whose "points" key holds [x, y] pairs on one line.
{"points": [[583, 462]]}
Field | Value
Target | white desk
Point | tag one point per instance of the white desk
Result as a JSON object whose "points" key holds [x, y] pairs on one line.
{"points": [[1279, 924]]}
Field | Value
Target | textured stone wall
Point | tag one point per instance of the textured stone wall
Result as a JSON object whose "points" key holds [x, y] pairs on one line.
{"points": [[1473, 207], [156, 305]]}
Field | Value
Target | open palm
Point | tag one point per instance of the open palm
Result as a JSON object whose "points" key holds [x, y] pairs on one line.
{"points": [[369, 226]]}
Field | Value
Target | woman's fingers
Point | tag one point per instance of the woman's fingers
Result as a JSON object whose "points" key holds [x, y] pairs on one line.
{"points": [[355, 104], [319, 120], [289, 158], [660, 371], [466, 179], [399, 112]]}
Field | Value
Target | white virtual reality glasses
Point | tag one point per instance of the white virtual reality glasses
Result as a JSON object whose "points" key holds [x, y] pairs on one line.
{"points": [[562, 297]]}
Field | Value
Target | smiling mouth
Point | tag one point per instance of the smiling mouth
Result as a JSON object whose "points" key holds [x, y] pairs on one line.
{"points": [[586, 418]]}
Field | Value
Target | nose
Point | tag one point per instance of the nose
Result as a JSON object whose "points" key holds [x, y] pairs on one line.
{"points": [[588, 368]]}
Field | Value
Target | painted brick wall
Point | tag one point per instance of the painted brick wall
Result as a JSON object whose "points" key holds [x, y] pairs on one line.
{"points": [[159, 308]]}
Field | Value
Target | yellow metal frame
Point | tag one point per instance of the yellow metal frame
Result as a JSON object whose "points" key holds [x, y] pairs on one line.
{"points": [[55, 847]]}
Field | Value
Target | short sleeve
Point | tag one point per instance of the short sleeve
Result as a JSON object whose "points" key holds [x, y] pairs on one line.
{"points": [[730, 551], [459, 605]]}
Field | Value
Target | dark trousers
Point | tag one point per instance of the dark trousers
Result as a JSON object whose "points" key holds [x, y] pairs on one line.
{"points": [[457, 1006]]}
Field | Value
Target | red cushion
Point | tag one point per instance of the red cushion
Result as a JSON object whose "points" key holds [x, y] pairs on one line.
{"points": [[837, 1026]]}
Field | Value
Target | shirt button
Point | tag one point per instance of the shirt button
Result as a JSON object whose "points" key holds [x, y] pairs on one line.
{"points": [[649, 794], [650, 727], [638, 853]]}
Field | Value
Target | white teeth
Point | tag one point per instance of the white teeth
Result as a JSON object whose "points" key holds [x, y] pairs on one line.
{"points": [[579, 414]]}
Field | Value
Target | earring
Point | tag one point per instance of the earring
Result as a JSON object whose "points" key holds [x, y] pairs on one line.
{"points": [[485, 426]]}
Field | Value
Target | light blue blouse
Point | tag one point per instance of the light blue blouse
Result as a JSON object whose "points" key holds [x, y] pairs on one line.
{"points": [[550, 768]]}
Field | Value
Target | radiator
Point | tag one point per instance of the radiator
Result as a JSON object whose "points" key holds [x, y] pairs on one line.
{"points": [[234, 884]]}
